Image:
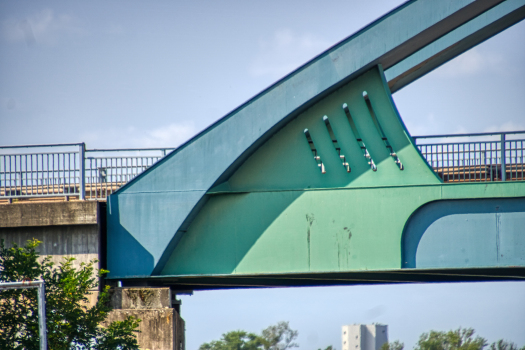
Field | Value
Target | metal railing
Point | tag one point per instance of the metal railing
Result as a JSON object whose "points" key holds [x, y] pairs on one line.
{"points": [[70, 170], [476, 157]]}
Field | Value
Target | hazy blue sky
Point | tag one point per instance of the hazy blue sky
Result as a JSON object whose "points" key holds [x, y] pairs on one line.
{"points": [[144, 74]]}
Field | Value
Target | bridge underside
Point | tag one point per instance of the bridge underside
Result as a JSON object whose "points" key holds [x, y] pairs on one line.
{"points": [[191, 283]]}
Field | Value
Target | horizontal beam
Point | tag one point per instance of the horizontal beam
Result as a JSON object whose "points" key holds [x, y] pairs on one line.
{"points": [[190, 283], [497, 133], [21, 285]]}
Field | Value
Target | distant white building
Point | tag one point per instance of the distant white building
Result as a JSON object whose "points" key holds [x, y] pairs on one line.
{"points": [[364, 337]]}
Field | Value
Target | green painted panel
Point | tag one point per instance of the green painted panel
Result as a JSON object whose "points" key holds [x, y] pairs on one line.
{"points": [[298, 231], [321, 230], [286, 161]]}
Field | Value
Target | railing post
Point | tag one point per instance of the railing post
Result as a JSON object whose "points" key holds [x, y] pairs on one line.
{"points": [[42, 315], [82, 170], [503, 160]]}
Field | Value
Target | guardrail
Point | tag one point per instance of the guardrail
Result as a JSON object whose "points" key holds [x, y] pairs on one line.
{"points": [[468, 159], [72, 170]]}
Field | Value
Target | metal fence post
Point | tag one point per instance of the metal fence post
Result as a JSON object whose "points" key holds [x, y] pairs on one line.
{"points": [[41, 299], [82, 170], [42, 315], [503, 160]]}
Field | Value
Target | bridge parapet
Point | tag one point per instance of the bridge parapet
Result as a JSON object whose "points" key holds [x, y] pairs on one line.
{"points": [[475, 157], [71, 171]]}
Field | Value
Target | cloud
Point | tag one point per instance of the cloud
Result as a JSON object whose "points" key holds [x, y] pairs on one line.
{"points": [[172, 135], [469, 63], [284, 52], [44, 27]]}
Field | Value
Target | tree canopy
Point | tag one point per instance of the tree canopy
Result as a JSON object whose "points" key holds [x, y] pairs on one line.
{"points": [[281, 337], [459, 339], [71, 323], [395, 345], [276, 337]]}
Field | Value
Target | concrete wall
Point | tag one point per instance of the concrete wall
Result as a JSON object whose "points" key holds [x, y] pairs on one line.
{"points": [[80, 242], [66, 229], [161, 327], [49, 214]]}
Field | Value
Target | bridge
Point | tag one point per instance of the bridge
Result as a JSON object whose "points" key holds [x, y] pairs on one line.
{"points": [[314, 181]]}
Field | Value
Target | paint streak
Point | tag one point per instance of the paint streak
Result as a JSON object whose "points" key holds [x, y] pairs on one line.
{"points": [[309, 220], [343, 248], [349, 232]]}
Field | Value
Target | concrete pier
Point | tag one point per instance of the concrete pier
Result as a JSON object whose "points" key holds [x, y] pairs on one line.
{"points": [[161, 327], [78, 229]]}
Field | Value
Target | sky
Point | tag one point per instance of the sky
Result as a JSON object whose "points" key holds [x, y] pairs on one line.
{"points": [[130, 74]]}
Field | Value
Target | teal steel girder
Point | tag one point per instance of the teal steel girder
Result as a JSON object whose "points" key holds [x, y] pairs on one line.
{"points": [[454, 43], [148, 216]]}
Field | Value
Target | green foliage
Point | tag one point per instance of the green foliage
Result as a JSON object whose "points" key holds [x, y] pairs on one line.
{"points": [[330, 347], [395, 345], [277, 337], [235, 340], [459, 339], [71, 323], [504, 345]]}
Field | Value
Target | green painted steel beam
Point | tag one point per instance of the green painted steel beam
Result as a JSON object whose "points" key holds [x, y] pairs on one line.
{"points": [[149, 216]]}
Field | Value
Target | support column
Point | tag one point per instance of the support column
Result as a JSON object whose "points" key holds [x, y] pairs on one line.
{"points": [[161, 327]]}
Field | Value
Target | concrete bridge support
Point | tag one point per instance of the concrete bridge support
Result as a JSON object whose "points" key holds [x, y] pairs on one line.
{"points": [[161, 327], [78, 229]]}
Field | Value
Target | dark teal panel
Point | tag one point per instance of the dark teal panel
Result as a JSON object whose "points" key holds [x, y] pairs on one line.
{"points": [[466, 233], [135, 230]]}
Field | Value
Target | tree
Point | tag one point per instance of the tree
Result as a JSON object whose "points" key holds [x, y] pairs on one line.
{"points": [[395, 345], [504, 345], [71, 323], [330, 347], [277, 337], [459, 339], [235, 340]]}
